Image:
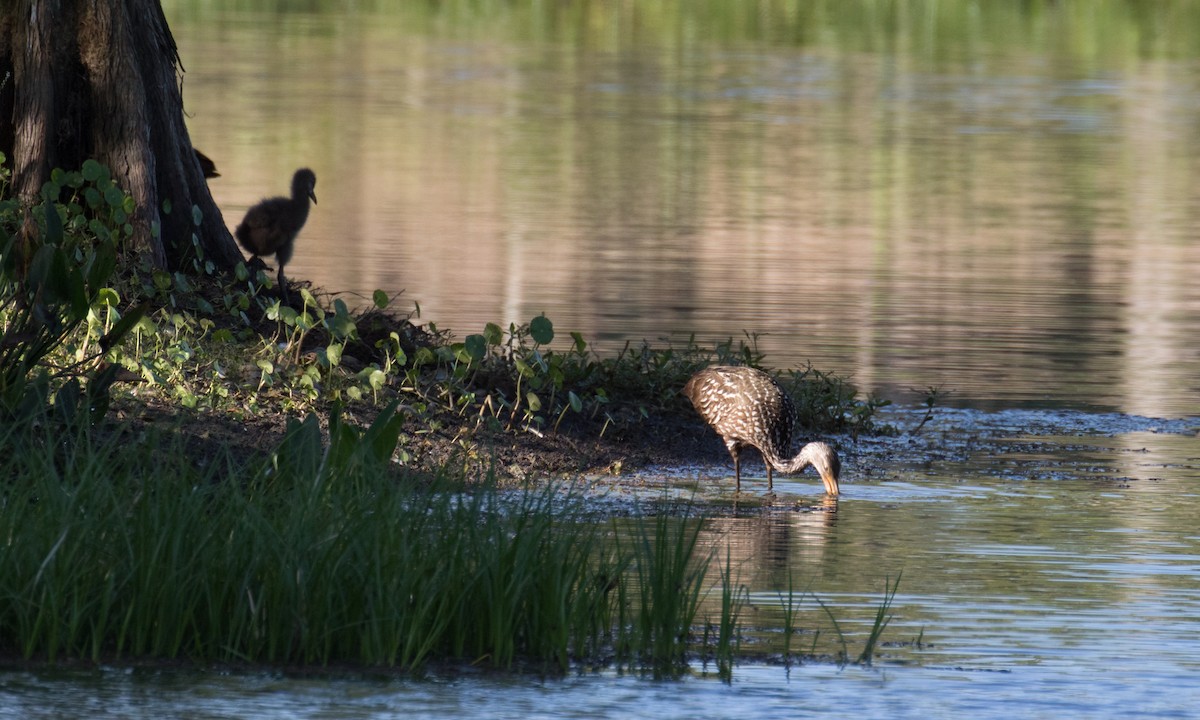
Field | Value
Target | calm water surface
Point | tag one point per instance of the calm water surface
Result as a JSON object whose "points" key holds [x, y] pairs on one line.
{"points": [[996, 202], [1000, 202]]}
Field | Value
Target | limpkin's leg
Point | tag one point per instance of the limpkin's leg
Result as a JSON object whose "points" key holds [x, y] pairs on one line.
{"points": [[283, 289], [770, 482], [283, 254], [735, 450]]}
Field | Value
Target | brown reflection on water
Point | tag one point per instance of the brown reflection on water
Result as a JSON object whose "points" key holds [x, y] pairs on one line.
{"points": [[1014, 228], [1024, 552], [764, 550]]}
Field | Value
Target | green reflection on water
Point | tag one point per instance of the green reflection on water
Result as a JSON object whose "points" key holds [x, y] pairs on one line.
{"points": [[1090, 32]]}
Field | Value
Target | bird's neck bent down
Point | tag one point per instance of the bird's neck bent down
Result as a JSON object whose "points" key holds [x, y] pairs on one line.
{"points": [[794, 464], [787, 465]]}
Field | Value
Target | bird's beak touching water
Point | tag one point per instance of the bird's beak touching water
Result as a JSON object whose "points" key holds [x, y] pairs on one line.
{"points": [[830, 478], [826, 462]]}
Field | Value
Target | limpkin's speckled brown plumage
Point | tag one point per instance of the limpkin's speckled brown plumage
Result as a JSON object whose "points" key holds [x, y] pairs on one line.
{"points": [[270, 227], [748, 407]]}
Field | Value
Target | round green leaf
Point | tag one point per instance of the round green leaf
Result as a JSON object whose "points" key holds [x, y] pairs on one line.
{"points": [[541, 329], [51, 190], [476, 346], [162, 280], [108, 297], [424, 356], [114, 197], [92, 170]]}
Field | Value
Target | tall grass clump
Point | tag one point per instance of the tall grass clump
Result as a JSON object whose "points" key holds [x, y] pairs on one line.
{"points": [[733, 599], [118, 548], [657, 613]]}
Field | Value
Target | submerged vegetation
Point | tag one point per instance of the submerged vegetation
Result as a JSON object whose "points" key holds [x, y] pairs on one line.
{"points": [[168, 529]]}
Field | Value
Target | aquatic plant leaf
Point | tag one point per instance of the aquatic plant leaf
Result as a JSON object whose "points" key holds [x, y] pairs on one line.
{"points": [[476, 347], [541, 330], [384, 434], [114, 197], [333, 354], [103, 262], [92, 170], [493, 334], [342, 325], [123, 326], [54, 226]]}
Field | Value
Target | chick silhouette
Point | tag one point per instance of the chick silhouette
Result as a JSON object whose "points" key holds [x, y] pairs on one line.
{"points": [[270, 227]]}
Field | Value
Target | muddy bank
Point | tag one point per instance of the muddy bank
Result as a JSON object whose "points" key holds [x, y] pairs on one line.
{"points": [[514, 454], [680, 450]]}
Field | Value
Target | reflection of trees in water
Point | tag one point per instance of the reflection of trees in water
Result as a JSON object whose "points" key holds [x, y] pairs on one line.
{"points": [[906, 227]]}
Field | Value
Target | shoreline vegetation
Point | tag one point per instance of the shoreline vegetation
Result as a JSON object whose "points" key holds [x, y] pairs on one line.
{"points": [[194, 471]]}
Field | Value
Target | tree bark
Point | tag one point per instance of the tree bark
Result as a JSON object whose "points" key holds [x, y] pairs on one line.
{"points": [[100, 79]]}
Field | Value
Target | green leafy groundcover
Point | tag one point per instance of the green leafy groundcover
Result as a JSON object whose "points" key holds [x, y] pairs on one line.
{"points": [[83, 321]]}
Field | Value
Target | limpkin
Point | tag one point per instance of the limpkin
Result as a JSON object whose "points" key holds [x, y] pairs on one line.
{"points": [[747, 407], [270, 227]]}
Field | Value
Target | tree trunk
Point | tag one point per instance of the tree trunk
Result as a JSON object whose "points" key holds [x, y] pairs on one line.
{"points": [[100, 79]]}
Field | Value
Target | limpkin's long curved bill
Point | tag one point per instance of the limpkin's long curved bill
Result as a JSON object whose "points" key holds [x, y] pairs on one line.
{"points": [[831, 483]]}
